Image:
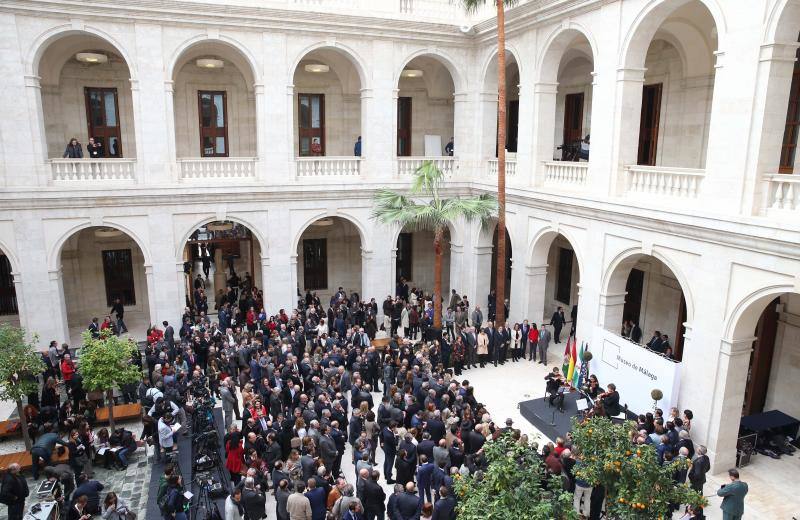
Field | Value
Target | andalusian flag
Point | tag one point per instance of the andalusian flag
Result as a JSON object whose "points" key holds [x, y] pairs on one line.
{"points": [[573, 355], [576, 376], [565, 366], [584, 373]]}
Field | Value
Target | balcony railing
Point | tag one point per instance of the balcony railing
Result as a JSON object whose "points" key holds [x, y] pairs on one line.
{"points": [[511, 167], [92, 169], [784, 192], [327, 167], [406, 166], [565, 173], [217, 168], [679, 183]]}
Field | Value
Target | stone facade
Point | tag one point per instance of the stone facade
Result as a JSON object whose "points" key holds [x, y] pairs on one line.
{"points": [[712, 211]]}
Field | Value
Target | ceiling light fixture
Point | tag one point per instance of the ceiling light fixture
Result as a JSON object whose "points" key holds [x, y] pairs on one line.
{"points": [[220, 226], [91, 57], [210, 63], [323, 222], [107, 232], [411, 73], [317, 67]]}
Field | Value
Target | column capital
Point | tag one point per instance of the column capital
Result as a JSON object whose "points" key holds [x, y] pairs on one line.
{"points": [[290, 90], [635, 74], [737, 347], [258, 89], [148, 269], [33, 81], [460, 97], [16, 276], [134, 84], [786, 52], [536, 270], [719, 59], [169, 86], [545, 87], [483, 250], [55, 274]]}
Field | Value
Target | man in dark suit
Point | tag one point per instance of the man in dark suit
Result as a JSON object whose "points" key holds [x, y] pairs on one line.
{"points": [[424, 476], [557, 322], [470, 342], [13, 491], [169, 334], [491, 333], [655, 342], [733, 497], [388, 440], [700, 466], [611, 401], [425, 446], [374, 498], [253, 500], [408, 504], [445, 508]]}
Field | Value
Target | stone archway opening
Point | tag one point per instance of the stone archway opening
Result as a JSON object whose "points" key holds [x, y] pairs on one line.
{"points": [[329, 258]]}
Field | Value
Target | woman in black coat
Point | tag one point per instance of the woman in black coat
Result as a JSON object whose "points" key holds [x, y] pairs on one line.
{"points": [[404, 467], [73, 150]]}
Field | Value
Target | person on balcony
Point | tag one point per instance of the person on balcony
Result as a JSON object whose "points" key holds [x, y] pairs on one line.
{"points": [[357, 147], [73, 150], [583, 153], [448, 148], [94, 149]]}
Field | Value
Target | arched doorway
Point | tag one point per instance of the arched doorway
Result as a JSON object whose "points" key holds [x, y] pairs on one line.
{"points": [[222, 264], [214, 102], [553, 278], [425, 108], [327, 107], [9, 307], [646, 303], [86, 93], [415, 258], [99, 266], [486, 263], [329, 257], [674, 45]]}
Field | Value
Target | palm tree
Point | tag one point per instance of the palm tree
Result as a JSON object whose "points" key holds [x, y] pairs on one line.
{"points": [[500, 287], [431, 211]]}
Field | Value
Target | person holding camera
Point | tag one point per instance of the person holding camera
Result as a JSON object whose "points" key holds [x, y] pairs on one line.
{"points": [[114, 508]]}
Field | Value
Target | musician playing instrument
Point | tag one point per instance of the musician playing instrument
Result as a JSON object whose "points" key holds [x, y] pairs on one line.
{"points": [[610, 400]]}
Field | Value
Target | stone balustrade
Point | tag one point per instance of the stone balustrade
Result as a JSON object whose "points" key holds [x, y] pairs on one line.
{"points": [[406, 166], [564, 174], [783, 192], [217, 168], [327, 167], [511, 167], [664, 181], [92, 169]]}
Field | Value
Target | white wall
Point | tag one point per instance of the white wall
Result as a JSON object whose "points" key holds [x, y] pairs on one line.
{"points": [[64, 104], [685, 108], [240, 105], [344, 257], [84, 280], [784, 384]]}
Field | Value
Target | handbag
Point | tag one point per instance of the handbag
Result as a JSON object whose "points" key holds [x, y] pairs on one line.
{"points": [[126, 514]]}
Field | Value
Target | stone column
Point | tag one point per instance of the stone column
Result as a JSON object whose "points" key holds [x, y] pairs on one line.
{"points": [[536, 282], [220, 279], [482, 277], [611, 308], [33, 91], [627, 115], [277, 120], [21, 311], [261, 135], [378, 141], [730, 379], [151, 294], [465, 150], [487, 138], [544, 115], [525, 137], [59, 326], [169, 101]]}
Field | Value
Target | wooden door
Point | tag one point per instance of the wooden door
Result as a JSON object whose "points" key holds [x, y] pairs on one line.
{"points": [[404, 127], [633, 297], [789, 145], [311, 128], [315, 263], [8, 295], [573, 118], [102, 114], [648, 126], [677, 345], [213, 111], [755, 394], [512, 131]]}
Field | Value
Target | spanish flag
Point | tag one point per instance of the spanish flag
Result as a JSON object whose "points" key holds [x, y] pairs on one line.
{"points": [[573, 359]]}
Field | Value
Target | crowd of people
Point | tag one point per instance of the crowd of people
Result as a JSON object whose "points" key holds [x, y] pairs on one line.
{"points": [[297, 389]]}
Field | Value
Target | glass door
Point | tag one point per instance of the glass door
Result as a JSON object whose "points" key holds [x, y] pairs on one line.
{"points": [[213, 123], [311, 128], [102, 112]]}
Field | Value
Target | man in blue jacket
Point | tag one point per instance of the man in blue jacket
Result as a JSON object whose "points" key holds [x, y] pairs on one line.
{"points": [[424, 475]]}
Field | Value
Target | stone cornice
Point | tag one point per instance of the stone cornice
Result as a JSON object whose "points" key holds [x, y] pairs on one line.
{"points": [[534, 12], [746, 233], [240, 17]]}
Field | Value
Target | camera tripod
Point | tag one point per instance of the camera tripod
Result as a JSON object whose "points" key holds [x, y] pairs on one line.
{"points": [[202, 506]]}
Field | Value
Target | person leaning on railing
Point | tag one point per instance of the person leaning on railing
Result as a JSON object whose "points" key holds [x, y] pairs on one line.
{"points": [[74, 150]]}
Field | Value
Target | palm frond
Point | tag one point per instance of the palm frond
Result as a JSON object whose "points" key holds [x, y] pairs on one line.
{"points": [[472, 6], [427, 179], [480, 208]]}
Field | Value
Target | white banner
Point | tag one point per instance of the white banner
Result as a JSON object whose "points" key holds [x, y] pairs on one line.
{"points": [[636, 371]]}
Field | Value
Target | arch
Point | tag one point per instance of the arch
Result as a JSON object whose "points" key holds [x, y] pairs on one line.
{"points": [[231, 43], [490, 57], [486, 235], [556, 46], [436, 54], [11, 255], [745, 314], [54, 256], [688, 41], [262, 241], [647, 22], [783, 22], [348, 52], [616, 275], [362, 232], [45, 40], [543, 240]]}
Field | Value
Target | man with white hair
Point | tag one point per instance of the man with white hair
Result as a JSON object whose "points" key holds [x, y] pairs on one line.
{"points": [[13, 491], [228, 401], [253, 500]]}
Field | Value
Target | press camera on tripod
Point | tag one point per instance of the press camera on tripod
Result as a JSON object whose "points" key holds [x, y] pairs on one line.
{"points": [[203, 506]]}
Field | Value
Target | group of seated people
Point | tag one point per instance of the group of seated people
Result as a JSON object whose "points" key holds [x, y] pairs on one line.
{"points": [[658, 343], [601, 403]]}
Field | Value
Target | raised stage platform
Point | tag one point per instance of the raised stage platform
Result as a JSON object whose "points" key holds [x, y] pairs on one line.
{"points": [[548, 419]]}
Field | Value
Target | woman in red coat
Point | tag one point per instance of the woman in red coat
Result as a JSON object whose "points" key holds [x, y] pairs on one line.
{"points": [[67, 370], [533, 339], [235, 460]]}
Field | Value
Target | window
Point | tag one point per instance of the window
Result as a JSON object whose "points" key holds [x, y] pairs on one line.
{"points": [[212, 108], [633, 297], [311, 128], [8, 295], [564, 283], [404, 253], [315, 263], [118, 272], [102, 114], [573, 124], [648, 125], [403, 126], [789, 146]]}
